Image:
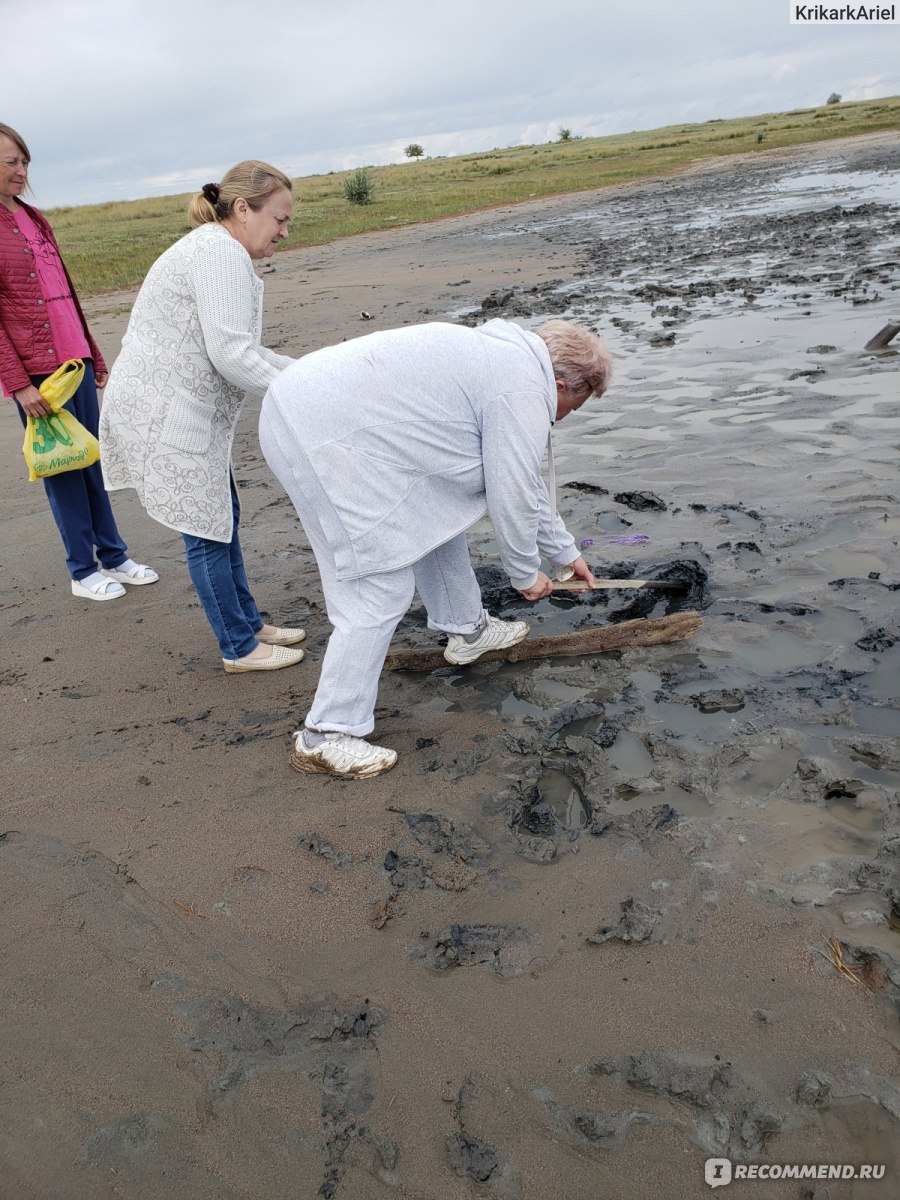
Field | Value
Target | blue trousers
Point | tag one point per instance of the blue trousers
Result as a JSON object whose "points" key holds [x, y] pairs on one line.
{"points": [[78, 500], [218, 575]]}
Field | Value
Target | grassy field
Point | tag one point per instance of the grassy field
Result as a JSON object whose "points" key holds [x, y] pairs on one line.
{"points": [[110, 246]]}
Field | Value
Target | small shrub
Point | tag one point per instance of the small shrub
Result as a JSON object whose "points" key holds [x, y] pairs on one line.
{"points": [[565, 135], [358, 187], [414, 150], [834, 98]]}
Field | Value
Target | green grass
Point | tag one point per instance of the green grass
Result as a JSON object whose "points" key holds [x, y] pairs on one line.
{"points": [[110, 246]]}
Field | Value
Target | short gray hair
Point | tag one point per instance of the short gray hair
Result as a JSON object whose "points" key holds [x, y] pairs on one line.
{"points": [[578, 356]]}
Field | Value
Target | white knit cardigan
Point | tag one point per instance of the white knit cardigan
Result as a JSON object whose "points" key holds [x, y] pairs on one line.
{"points": [[189, 358]]}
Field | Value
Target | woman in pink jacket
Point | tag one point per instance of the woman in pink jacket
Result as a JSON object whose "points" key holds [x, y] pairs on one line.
{"points": [[41, 327]]}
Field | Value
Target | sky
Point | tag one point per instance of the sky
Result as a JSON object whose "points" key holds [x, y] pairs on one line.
{"points": [[121, 99]]}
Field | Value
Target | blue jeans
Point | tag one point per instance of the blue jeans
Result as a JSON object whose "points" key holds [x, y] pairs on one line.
{"points": [[217, 572], [78, 499]]}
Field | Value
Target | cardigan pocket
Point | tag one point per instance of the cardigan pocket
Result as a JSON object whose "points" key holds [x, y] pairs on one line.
{"points": [[188, 425]]}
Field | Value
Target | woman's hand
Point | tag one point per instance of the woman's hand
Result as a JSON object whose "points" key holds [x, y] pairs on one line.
{"points": [[100, 379], [541, 587], [32, 402]]}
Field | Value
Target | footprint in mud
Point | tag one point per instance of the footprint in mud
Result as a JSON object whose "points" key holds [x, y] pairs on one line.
{"points": [[148, 1147], [544, 812], [471, 1156], [321, 1042], [732, 1118], [484, 1165]]}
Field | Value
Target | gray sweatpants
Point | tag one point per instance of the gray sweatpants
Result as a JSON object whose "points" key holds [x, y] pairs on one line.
{"points": [[365, 612]]}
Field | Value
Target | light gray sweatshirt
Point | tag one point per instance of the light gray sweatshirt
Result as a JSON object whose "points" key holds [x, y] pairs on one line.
{"points": [[411, 435]]}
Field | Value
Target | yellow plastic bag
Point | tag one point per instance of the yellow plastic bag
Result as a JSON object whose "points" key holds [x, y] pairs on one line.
{"points": [[62, 385], [59, 442]]}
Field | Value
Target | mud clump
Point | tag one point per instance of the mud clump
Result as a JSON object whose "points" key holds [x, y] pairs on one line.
{"points": [[316, 844], [506, 949], [723, 700], [457, 855], [519, 302], [442, 835], [592, 489], [641, 501], [876, 641], [640, 825], [638, 923], [690, 578]]}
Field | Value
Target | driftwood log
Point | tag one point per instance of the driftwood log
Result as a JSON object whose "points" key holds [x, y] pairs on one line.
{"points": [[884, 335], [648, 631]]}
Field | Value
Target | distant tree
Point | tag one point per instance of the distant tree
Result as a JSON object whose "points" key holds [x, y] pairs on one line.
{"points": [[565, 135], [414, 150], [359, 188], [834, 98]]}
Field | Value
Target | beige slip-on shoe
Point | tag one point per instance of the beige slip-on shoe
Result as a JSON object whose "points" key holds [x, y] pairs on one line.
{"points": [[282, 637], [280, 657]]}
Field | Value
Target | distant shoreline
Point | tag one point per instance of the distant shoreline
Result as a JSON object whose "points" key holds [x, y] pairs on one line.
{"points": [[110, 247]]}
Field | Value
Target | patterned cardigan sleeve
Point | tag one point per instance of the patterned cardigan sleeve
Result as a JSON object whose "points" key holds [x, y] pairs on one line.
{"points": [[228, 294]]}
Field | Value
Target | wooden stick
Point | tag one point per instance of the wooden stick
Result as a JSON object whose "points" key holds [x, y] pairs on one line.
{"points": [[579, 585], [581, 642], [884, 335]]}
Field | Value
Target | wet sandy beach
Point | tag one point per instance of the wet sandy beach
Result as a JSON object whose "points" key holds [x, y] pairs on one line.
{"points": [[608, 917]]}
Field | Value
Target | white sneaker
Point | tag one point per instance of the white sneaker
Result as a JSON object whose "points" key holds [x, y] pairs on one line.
{"points": [[343, 755], [496, 635]]}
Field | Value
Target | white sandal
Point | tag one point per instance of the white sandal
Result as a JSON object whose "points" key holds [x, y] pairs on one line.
{"points": [[97, 587], [131, 572]]}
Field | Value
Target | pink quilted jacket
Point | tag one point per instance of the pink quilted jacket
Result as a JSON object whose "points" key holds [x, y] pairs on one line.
{"points": [[26, 346]]}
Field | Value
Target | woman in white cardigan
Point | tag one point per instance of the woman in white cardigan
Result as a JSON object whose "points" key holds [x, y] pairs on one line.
{"points": [[190, 357]]}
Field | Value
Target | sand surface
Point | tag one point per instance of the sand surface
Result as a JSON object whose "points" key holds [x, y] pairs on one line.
{"points": [[577, 942]]}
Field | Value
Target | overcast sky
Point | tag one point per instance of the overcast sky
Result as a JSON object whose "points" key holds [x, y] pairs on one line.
{"points": [[120, 99]]}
